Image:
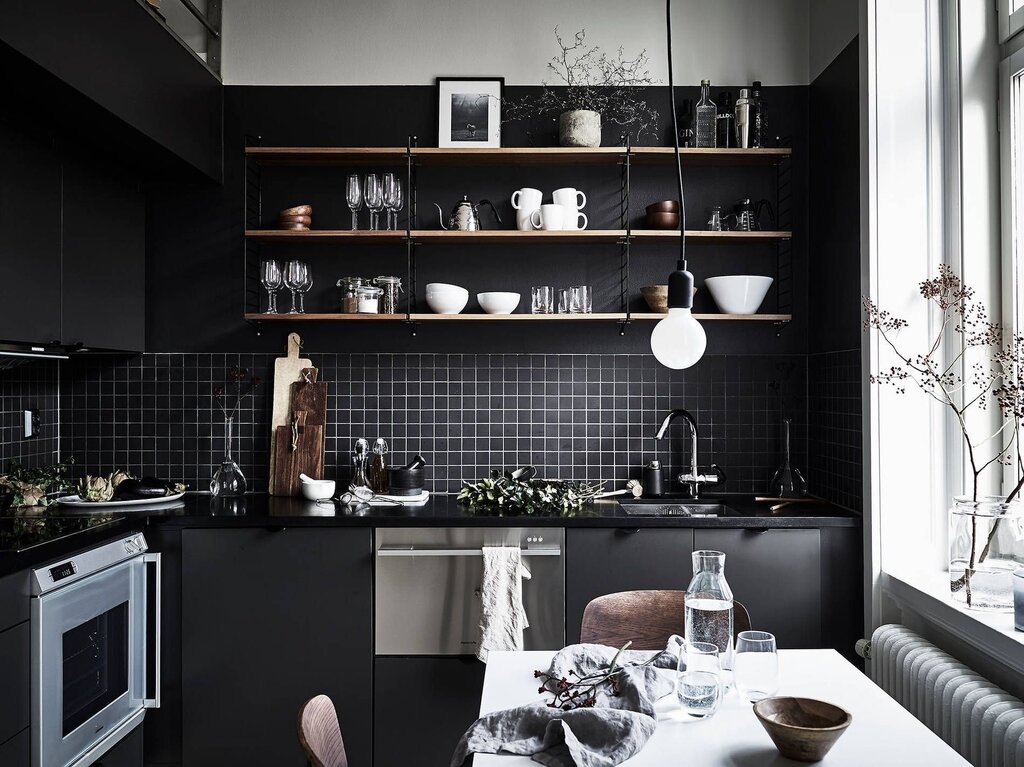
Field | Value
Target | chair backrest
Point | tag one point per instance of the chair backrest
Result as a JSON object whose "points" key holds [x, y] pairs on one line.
{"points": [[320, 734], [647, 618]]}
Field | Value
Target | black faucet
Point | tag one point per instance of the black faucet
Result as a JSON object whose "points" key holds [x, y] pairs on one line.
{"points": [[691, 478]]}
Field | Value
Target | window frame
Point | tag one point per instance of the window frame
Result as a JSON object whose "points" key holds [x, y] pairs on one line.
{"points": [[1010, 21]]}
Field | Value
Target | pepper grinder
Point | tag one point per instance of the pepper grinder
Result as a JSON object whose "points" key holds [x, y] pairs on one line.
{"points": [[360, 454], [379, 468], [652, 479]]}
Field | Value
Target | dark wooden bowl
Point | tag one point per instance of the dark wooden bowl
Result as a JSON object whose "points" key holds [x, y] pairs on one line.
{"points": [[656, 297], [803, 729], [663, 220], [307, 220], [665, 206], [298, 210], [293, 227]]}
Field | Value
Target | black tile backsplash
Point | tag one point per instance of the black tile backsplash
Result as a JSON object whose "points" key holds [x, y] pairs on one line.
{"points": [[834, 427], [583, 416], [31, 386]]}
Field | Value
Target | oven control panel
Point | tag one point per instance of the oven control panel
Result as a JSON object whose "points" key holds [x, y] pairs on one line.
{"points": [[89, 562], [62, 571]]}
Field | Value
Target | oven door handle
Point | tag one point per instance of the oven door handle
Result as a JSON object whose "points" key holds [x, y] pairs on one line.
{"points": [[154, 702]]}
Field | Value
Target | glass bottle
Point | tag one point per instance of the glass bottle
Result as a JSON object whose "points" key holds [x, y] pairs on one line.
{"points": [[709, 616], [743, 119], [686, 124], [725, 122], [705, 117], [379, 467], [228, 480], [787, 482], [759, 132], [360, 455]]}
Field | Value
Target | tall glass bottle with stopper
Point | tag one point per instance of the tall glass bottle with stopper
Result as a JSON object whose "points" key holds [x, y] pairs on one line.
{"points": [[787, 482], [709, 616], [705, 117]]}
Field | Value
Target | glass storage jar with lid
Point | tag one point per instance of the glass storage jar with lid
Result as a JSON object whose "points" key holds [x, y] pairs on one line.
{"points": [[391, 287], [369, 299], [348, 287]]}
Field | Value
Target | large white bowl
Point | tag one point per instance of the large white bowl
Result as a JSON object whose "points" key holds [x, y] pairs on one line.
{"points": [[498, 303], [738, 293], [443, 298]]}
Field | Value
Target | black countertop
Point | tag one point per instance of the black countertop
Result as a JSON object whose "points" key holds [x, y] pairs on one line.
{"points": [[30, 538]]}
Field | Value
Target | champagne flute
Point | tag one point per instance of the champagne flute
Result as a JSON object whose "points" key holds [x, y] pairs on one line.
{"points": [[390, 183], [354, 196], [294, 276], [307, 283], [270, 276], [373, 195], [399, 199]]}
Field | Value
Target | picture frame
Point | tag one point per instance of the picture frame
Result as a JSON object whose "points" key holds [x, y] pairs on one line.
{"points": [[469, 111]]}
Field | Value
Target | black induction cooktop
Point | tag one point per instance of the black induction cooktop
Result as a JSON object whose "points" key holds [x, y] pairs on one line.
{"points": [[24, 529]]}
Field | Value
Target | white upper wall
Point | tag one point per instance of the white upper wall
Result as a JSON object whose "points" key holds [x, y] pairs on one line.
{"points": [[834, 23], [410, 42]]}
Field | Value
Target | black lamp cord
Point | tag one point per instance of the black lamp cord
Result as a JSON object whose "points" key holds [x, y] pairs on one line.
{"points": [[675, 135]]}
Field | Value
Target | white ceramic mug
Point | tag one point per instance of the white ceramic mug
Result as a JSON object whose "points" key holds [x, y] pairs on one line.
{"points": [[572, 200], [549, 217], [525, 201]]}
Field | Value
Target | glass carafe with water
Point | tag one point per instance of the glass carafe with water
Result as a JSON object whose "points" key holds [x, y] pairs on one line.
{"points": [[709, 616]]}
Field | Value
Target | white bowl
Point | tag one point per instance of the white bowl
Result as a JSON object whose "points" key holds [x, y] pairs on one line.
{"points": [[444, 287], [447, 302], [738, 293], [314, 491], [498, 303]]}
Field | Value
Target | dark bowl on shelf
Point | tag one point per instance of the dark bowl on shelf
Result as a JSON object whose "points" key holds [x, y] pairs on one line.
{"points": [[663, 220], [665, 206]]}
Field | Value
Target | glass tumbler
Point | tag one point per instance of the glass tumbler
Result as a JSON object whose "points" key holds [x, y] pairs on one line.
{"points": [[543, 299], [756, 665], [699, 681], [563, 301], [581, 299]]}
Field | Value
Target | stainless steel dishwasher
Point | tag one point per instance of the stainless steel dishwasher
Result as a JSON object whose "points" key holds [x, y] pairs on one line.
{"points": [[427, 599]]}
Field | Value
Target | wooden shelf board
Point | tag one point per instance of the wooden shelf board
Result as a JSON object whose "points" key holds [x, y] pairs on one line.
{"points": [[605, 155], [511, 236], [423, 317]]}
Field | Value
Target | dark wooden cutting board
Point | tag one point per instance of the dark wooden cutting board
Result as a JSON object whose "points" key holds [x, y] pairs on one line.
{"points": [[309, 410]]}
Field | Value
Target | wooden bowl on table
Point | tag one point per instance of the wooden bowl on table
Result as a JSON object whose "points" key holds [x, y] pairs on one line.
{"points": [[803, 729]]}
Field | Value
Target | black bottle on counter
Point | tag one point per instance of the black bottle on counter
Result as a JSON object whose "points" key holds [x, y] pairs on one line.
{"points": [[652, 479], [725, 124]]}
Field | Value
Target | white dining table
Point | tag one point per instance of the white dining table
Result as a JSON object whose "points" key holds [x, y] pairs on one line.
{"points": [[882, 732]]}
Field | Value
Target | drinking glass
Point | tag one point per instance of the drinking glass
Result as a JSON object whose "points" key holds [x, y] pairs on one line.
{"points": [[563, 301], [543, 300], [399, 200], [756, 665], [307, 283], [354, 196], [699, 681], [270, 276], [390, 190], [294, 278], [373, 195], [580, 299]]}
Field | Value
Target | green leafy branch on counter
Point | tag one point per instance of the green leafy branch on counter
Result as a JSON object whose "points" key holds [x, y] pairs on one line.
{"points": [[512, 497]]}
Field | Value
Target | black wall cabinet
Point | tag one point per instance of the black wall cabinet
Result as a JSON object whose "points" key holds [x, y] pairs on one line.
{"points": [[270, 619]]}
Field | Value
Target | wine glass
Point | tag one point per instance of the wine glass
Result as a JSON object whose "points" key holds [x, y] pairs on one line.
{"points": [[307, 283], [373, 195], [390, 190], [756, 665], [294, 278], [354, 196], [399, 200], [270, 276]]}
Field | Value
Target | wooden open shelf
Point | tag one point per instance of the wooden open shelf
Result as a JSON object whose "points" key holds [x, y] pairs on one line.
{"points": [[422, 317], [433, 156], [511, 237]]}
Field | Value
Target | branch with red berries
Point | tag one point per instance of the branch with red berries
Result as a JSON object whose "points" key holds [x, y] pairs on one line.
{"points": [[239, 386], [580, 691]]}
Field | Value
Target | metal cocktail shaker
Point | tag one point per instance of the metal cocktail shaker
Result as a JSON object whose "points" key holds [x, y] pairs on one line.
{"points": [[744, 115]]}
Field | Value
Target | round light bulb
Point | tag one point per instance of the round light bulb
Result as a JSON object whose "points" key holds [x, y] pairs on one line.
{"points": [[678, 341]]}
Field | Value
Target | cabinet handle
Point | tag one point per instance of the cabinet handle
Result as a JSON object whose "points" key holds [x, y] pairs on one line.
{"points": [[757, 530], [625, 531], [276, 528]]}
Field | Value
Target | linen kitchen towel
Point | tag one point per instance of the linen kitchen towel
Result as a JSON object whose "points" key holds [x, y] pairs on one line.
{"points": [[502, 616], [606, 734]]}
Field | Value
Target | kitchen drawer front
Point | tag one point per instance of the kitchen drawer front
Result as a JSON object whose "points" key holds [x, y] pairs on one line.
{"points": [[15, 752], [15, 671], [604, 561], [14, 599], [776, 574]]}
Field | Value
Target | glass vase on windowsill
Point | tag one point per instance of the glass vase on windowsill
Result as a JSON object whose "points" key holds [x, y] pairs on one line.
{"points": [[986, 544], [228, 481]]}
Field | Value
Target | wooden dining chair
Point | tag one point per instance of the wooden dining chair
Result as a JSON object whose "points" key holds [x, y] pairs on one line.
{"points": [[647, 618], [320, 734]]}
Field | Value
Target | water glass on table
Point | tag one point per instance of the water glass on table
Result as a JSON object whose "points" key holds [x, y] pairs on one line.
{"points": [[699, 680], [756, 665]]}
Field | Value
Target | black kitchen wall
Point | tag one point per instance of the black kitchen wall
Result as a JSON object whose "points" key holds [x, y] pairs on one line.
{"points": [[834, 335], [31, 386]]}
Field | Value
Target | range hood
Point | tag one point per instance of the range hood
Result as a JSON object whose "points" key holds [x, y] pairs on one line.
{"points": [[13, 355]]}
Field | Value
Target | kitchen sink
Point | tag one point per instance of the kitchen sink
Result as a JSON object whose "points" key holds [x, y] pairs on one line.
{"points": [[677, 509]]}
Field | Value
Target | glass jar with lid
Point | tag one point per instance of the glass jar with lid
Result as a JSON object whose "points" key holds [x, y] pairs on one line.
{"points": [[391, 287], [348, 287], [368, 298]]}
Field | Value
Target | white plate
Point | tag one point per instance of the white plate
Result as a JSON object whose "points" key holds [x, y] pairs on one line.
{"points": [[405, 500], [75, 501]]}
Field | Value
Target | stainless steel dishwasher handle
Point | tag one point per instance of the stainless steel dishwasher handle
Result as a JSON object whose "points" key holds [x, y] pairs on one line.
{"points": [[414, 552]]}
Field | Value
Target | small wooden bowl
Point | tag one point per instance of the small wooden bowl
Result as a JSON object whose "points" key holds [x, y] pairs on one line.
{"points": [[663, 220], [307, 220], [656, 297], [298, 210], [803, 729], [665, 206], [293, 227]]}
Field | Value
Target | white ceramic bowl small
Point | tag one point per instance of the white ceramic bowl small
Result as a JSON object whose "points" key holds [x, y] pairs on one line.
{"points": [[321, 488], [444, 287], [443, 298], [738, 293], [498, 302]]}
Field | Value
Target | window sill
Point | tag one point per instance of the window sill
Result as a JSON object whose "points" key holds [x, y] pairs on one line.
{"points": [[928, 595]]}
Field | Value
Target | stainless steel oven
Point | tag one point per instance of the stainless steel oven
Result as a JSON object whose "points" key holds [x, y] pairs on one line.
{"points": [[93, 664]]}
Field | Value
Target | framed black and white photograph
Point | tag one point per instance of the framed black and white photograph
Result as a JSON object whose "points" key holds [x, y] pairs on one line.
{"points": [[469, 111]]}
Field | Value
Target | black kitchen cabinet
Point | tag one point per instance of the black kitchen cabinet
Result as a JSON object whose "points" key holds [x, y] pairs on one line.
{"points": [[603, 561], [776, 574], [104, 260], [30, 222], [127, 752], [15, 752], [270, 618], [422, 706]]}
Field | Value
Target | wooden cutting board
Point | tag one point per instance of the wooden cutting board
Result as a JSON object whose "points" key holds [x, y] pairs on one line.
{"points": [[287, 370], [307, 457]]}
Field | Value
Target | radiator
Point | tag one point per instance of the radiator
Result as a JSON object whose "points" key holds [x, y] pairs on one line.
{"points": [[979, 720]]}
